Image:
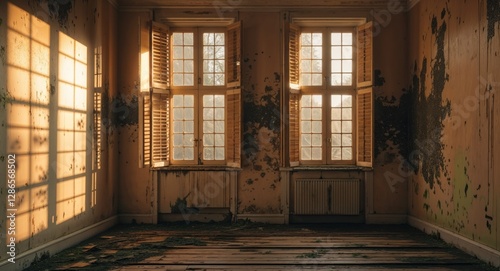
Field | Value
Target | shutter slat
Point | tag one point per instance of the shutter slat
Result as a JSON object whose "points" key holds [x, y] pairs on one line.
{"points": [[146, 133], [160, 129], [365, 53], [294, 123], [293, 56], [365, 127], [233, 55], [294, 94]]}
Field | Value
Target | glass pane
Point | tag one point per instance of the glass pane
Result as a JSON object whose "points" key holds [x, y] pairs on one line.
{"points": [[219, 52], [219, 79], [188, 100], [178, 52], [316, 140], [178, 127], [346, 38], [336, 126], [336, 39], [178, 114], [336, 65], [208, 52], [336, 52], [316, 65], [305, 113], [336, 100], [208, 38], [336, 79], [316, 114], [346, 153], [208, 66], [347, 140], [347, 66], [346, 114], [347, 127], [208, 113], [346, 100], [305, 126], [177, 38], [306, 39], [336, 153], [177, 139], [178, 65], [317, 39], [178, 101], [347, 79], [219, 140], [219, 153], [189, 113], [347, 52], [306, 140], [208, 140], [188, 80], [188, 140], [306, 100], [219, 113], [178, 154], [188, 52], [317, 53], [188, 153], [317, 80], [305, 154], [305, 79], [188, 66], [188, 38], [316, 153], [208, 80], [316, 126], [317, 101], [219, 65], [336, 114], [208, 154], [336, 140], [208, 127], [188, 126], [305, 52], [219, 126], [305, 66], [178, 79], [219, 100]]}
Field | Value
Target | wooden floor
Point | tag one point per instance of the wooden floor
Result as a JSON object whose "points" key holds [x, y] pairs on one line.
{"points": [[247, 246]]}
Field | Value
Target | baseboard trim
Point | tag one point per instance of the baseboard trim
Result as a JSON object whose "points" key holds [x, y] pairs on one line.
{"points": [[474, 248], [386, 219], [24, 259], [137, 219], [263, 218]]}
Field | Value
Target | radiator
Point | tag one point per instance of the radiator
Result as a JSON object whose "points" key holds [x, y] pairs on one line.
{"points": [[327, 197]]}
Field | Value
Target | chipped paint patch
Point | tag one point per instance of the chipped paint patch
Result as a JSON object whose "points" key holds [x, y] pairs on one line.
{"points": [[493, 16]]}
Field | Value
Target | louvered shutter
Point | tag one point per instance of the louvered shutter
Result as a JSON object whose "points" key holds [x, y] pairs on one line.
{"points": [[365, 127], [156, 110], [233, 95], [364, 123], [146, 129], [233, 55], [294, 94], [365, 55]]}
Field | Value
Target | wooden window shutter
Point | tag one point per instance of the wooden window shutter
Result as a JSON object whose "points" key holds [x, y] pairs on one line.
{"points": [[155, 103], [160, 52], [293, 32], [293, 56], [233, 55], [365, 55], [233, 127], [160, 114], [364, 130]]}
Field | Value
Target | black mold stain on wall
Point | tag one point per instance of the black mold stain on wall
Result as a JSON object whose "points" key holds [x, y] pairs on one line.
{"points": [[57, 9], [428, 113], [124, 111], [493, 16]]}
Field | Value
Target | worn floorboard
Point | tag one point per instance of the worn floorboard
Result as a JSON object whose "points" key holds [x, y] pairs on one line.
{"points": [[247, 246]]}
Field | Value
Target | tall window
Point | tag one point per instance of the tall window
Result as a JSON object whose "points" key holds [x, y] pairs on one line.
{"points": [[193, 116], [324, 112]]}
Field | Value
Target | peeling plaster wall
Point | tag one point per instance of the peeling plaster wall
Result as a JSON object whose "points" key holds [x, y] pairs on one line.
{"points": [[47, 118], [455, 72], [136, 185], [259, 186]]}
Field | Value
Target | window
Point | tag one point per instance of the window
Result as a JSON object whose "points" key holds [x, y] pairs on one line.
{"points": [[330, 111], [191, 114]]}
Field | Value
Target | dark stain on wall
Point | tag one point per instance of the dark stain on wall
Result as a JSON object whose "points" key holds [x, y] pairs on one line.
{"points": [[378, 79], [57, 9], [429, 112], [493, 16]]}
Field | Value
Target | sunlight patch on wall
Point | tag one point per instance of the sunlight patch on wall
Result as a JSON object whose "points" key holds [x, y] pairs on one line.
{"points": [[28, 70]]}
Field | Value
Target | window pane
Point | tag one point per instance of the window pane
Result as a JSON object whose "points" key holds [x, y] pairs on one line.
{"points": [[346, 38], [336, 153], [317, 127], [346, 153], [189, 127], [177, 39], [336, 100], [316, 140], [306, 38], [336, 126], [183, 123], [311, 127], [346, 100], [219, 153], [336, 52], [219, 52], [317, 80], [336, 140], [317, 53], [213, 127], [336, 65], [208, 113], [316, 114], [341, 127], [306, 126], [311, 63], [347, 79], [346, 114], [208, 127], [317, 39], [219, 127], [306, 140], [188, 66], [188, 52], [208, 140], [219, 100], [336, 39], [219, 113], [188, 39], [305, 154], [316, 66], [178, 66], [189, 153], [347, 140], [316, 153], [305, 113], [178, 53], [347, 66], [178, 79], [336, 114], [346, 52], [347, 127], [219, 140], [188, 80], [208, 154]]}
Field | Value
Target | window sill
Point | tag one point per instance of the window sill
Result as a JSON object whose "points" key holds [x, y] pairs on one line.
{"points": [[329, 168], [196, 168]]}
